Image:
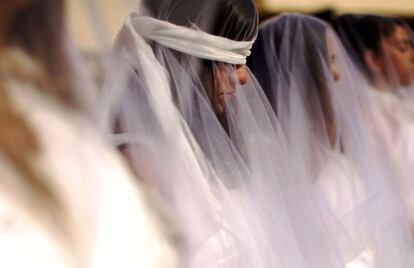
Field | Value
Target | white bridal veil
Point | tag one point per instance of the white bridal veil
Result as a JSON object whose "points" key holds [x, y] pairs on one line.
{"points": [[314, 90]]}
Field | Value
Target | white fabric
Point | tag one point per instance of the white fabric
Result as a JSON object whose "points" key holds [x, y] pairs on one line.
{"points": [[154, 77], [24, 242], [112, 223], [190, 41], [255, 220], [394, 122], [344, 194], [316, 99], [195, 206]]}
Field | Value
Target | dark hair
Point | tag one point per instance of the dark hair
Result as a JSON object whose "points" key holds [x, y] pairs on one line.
{"points": [[298, 45], [360, 33], [35, 28], [286, 36], [233, 19], [38, 29]]}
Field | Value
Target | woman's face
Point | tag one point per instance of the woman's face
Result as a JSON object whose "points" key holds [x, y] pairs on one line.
{"points": [[398, 57], [226, 79]]}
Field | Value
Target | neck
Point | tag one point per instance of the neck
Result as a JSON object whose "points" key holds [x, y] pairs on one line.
{"points": [[381, 85]]}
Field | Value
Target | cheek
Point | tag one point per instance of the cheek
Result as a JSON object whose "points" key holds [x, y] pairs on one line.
{"points": [[226, 84], [403, 68], [400, 61], [222, 81]]}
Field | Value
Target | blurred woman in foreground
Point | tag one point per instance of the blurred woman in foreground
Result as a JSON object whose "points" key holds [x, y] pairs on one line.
{"points": [[67, 200]]}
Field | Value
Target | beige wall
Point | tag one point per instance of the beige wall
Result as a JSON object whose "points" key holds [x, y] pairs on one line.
{"points": [[386, 7], [113, 13]]}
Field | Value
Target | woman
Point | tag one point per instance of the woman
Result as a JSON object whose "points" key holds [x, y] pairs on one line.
{"points": [[386, 58], [67, 198], [382, 48], [307, 77]]}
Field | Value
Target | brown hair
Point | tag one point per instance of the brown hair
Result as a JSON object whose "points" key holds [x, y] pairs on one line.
{"points": [[360, 33], [31, 53], [37, 28]]}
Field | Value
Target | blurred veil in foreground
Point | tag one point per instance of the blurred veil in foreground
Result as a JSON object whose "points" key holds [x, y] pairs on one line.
{"points": [[68, 200]]}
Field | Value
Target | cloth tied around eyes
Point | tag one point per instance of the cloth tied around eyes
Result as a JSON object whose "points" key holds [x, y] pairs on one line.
{"points": [[189, 40]]}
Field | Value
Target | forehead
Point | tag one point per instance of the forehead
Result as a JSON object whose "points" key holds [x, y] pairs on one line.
{"points": [[330, 42], [400, 34]]}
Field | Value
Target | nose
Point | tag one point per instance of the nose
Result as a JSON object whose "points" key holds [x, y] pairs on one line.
{"points": [[411, 58], [337, 75], [242, 74]]}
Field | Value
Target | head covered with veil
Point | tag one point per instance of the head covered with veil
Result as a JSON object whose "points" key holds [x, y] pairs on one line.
{"points": [[283, 60], [202, 47], [222, 33]]}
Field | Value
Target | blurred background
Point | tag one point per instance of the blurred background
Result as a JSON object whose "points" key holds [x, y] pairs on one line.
{"points": [[94, 23], [327, 9]]}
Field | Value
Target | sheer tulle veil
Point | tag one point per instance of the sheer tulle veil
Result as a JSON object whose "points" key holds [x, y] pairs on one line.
{"points": [[314, 89], [198, 126]]}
